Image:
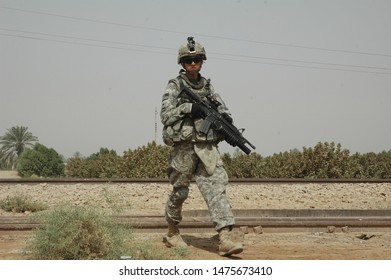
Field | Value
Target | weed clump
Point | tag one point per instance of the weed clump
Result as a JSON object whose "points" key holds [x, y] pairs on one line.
{"points": [[76, 233], [20, 203], [85, 233]]}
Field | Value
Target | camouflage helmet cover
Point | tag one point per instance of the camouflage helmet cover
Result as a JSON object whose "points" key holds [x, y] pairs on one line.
{"points": [[191, 49]]}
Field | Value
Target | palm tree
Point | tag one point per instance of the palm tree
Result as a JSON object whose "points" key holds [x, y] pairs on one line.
{"points": [[13, 143]]}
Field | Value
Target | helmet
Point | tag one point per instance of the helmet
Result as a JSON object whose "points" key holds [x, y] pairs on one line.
{"points": [[190, 49]]}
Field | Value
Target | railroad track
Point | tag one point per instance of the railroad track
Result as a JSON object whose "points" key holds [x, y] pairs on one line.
{"points": [[162, 180], [252, 220]]}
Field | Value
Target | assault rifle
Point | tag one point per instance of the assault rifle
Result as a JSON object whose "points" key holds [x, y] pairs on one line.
{"points": [[219, 122]]}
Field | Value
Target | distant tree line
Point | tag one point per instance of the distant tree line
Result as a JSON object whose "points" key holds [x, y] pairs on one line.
{"points": [[324, 160], [21, 150]]}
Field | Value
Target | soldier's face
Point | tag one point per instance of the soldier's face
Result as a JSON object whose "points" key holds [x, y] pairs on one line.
{"points": [[192, 64]]}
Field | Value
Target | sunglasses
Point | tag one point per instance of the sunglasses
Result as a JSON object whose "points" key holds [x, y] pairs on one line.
{"points": [[190, 60]]}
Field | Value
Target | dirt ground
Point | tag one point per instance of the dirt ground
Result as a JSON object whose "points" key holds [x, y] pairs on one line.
{"points": [[139, 199], [266, 246]]}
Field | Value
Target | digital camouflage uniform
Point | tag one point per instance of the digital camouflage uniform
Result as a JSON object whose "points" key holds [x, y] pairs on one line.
{"points": [[193, 154]]}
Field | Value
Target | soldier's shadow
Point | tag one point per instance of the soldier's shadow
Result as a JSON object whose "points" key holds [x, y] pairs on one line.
{"points": [[210, 244]]}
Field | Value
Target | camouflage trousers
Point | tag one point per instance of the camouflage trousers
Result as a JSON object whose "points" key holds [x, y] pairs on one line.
{"points": [[184, 163]]}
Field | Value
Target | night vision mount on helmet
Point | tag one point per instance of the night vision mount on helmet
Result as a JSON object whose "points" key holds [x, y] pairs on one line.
{"points": [[191, 49]]}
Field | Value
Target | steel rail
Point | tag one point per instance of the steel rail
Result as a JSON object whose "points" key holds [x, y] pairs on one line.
{"points": [[268, 220], [163, 180]]}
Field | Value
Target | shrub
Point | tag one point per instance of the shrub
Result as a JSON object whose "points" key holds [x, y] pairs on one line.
{"points": [[324, 160], [103, 164], [77, 167], [145, 162], [283, 165], [244, 166], [40, 161], [371, 165], [21, 203], [77, 233], [84, 233]]}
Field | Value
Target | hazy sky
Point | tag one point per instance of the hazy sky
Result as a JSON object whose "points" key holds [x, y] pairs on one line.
{"points": [[87, 74]]}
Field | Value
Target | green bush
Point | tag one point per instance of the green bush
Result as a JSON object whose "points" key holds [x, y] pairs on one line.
{"points": [[77, 167], [145, 162], [20, 203], [244, 166], [371, 165], [103, 164], [77, 233], [283, 165], [85, 233], [40, 161], [148, 161], [324, 160]]}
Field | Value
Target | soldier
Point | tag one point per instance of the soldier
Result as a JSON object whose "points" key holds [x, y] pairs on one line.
{"points": [[194, 153]]}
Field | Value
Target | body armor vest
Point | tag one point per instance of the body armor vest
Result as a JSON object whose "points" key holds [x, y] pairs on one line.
{"points": [[187, 128]]}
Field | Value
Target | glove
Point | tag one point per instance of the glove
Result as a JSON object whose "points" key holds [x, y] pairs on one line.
{"points": [[196, 111]]}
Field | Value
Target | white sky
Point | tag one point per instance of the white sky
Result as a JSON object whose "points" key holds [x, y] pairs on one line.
{"points": [[82, 75]]}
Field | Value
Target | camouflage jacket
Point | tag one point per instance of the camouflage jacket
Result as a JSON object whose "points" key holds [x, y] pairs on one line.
{"points": [[179, 125]]}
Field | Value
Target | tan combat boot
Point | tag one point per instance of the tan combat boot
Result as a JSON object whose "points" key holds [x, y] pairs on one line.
{"points": [[227, 246], [173, 237]]}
